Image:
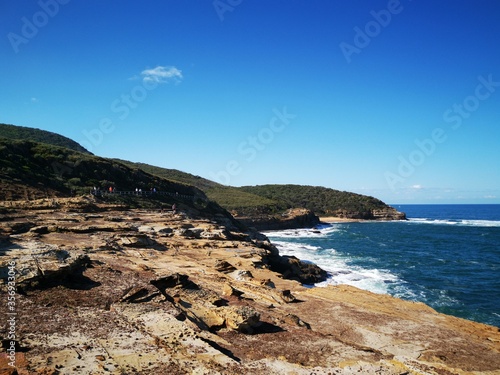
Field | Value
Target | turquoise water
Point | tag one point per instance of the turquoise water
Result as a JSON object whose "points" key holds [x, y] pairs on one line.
{"points": [[447, 256]]}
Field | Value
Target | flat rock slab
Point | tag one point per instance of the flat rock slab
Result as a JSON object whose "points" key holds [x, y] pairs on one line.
{"points": [[142, 292]]}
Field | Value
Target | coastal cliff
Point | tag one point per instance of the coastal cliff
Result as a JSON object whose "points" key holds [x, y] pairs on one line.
{"points": [[103, 288], [290, 219], [37, 164], [303, 218], [386, 213]]}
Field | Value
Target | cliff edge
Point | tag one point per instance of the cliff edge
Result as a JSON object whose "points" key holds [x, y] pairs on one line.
{"points": [[290, 219]]}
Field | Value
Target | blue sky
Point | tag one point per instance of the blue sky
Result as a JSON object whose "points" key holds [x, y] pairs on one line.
{"points": [[395, 99]]}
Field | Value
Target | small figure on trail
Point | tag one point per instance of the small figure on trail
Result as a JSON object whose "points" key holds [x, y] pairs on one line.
{"points": [[174, 208]]}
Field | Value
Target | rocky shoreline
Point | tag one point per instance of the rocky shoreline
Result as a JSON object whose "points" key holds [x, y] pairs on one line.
{"points": [[304, 218], [293, 218], [101, 289]]}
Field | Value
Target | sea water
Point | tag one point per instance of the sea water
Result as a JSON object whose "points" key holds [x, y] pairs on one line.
{"points": [[447, 256]]}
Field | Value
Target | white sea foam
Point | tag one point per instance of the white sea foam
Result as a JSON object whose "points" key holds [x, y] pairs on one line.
{"points": [[318, 231], [481, 223], [469, 223], [338, 267]]}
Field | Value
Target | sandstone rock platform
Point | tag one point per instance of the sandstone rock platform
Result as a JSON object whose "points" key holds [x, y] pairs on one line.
{"points": [[103, 290]]}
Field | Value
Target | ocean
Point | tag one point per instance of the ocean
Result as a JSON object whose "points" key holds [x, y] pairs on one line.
{"points": [[447, 256]]}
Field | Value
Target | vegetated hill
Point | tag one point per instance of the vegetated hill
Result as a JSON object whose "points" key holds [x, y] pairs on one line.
{"points": [[37, 135], [60, 166], [275, 199], [32, 170], [243, 203], [231, 198], [325, 201], [173, 174]]}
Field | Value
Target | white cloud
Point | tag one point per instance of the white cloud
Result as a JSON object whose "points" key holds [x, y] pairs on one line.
{"points": [[162, 74], [417, 187], [34, 100]]}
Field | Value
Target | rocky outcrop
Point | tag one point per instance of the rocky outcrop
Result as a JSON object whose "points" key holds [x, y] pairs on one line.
{"points": [[303, 218], [87, 302], [388, 214], [295, 269], [291, 219]]}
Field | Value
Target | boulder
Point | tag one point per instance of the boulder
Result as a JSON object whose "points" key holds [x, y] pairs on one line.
{"points": [[293, 268], [189, 233], [41, 229], [229, 290], [287, 296], [295, 320], [241, 275], [172, 281], [214, 235], [136, 241], [164, 230], [242, 319], [224, 266], [50, 268]]}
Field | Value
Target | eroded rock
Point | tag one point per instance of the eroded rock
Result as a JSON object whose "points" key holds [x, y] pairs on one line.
{"points": [[287, 296], [139, 310], [224, 266], [293, 268], [242, 319]]}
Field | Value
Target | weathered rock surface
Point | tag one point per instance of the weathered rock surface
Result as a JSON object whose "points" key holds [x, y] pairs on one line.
{"points": [[89, 302], [389, 213], [293, 218]]}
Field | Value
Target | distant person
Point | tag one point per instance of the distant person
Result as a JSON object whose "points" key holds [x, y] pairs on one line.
{"points": [[174, 208], [110, 189]]}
